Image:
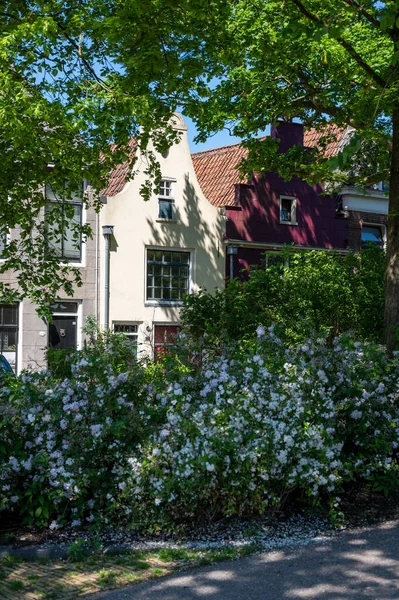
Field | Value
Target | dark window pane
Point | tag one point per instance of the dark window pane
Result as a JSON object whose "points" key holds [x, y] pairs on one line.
{"points": [[10, 315], [167, 257], [372, 235], [64, 307], [286, 209], [165, 209], [158, 256]]}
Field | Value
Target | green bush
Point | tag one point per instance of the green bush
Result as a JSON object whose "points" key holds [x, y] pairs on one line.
{"points": [[324, 293]]}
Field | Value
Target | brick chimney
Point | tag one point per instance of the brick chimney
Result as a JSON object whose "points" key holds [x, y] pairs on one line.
{"points": [[289, 134]]}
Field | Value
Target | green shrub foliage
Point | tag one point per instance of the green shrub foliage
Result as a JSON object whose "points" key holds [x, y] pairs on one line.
{"points": [[235, 434], [305, 294]]}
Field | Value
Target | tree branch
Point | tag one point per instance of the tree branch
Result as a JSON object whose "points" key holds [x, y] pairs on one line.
{"points": [[346, 45], [370, 18]]}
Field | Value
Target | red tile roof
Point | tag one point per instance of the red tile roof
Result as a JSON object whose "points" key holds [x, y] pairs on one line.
{"points": [[333, 135], [216, 173], [216, 169], [118, 176]]}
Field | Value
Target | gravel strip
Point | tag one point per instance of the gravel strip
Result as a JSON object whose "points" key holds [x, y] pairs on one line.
{"points": [[293, 532]]}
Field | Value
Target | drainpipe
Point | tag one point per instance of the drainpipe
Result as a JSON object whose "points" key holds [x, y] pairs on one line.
{"points": [[232, 251], [107, 233]]}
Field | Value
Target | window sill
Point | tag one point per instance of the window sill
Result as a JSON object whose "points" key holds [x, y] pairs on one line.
{"points": [[166, 220], [288, 223], [163, 303]]}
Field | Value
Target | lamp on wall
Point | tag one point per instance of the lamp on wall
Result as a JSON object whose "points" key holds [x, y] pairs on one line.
{"points": [[108, 231]]}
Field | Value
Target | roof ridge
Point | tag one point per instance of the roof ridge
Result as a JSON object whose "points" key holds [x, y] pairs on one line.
{"points": [[227, 147]]}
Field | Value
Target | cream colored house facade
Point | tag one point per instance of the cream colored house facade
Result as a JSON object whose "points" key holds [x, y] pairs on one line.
{"points": [[161, 249]]}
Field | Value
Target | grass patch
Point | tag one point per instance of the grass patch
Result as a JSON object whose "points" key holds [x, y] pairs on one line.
{"points": [[16, 585], [65, 580]]}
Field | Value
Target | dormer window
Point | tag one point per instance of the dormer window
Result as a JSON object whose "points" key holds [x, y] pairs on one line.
{"points": [[288, 210], [166, 200]]}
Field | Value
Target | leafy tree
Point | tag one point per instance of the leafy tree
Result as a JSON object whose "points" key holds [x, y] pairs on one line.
{"points": [[77, 81], [320, 61], [75, 77]]}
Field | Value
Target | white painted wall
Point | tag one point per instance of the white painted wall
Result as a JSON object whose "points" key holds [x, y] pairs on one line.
{"points": [[372, 201], [198, 227]]}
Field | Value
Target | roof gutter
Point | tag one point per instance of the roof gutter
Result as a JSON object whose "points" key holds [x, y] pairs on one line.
{"points": [[274, 246]]}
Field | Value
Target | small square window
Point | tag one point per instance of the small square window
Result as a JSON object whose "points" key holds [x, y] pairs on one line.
{"points": [[288, 210]]}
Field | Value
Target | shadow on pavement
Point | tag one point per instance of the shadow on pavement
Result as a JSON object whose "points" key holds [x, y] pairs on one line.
{"points": [[354, 565]]}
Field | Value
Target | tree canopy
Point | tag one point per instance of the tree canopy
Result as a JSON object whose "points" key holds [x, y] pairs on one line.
{"points": [[76, 77]]}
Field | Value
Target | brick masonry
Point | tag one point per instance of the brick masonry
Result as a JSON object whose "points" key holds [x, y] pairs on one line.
{"points": [[355, 223]]}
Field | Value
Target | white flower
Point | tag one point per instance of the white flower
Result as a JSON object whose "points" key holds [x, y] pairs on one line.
{"points": [[260, 331], [356, 414]]}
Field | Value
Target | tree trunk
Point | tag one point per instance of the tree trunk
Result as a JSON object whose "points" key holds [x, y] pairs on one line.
{"points": [[391, 315]]}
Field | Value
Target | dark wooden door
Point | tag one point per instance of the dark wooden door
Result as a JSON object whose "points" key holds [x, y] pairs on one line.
{"points": [[63, 332]]}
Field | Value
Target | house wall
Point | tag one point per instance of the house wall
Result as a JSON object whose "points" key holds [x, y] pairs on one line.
{"points": [[32, 330], [256, 219], [197, 227], [363, 207]]}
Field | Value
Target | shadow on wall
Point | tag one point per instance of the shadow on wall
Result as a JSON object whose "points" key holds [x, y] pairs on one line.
{"points": [[191, 230], [349, 567]]}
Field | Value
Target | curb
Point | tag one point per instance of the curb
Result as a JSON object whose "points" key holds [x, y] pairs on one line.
{"points": [[58, 551]]}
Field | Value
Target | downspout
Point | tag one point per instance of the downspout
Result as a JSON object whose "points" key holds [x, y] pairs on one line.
{"points": [[231, 251], [107, 233]]}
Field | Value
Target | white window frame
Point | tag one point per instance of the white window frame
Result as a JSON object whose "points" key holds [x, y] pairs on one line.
{"points": [[129, 334], [191, 265], [82, 261], [293, 220], [170, 198], [379, 226]]}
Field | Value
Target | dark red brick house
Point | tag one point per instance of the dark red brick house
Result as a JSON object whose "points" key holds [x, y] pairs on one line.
{"points": [[267, 213]]}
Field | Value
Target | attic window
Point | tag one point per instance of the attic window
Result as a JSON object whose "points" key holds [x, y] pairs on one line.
{"points": [[166, 200], [288, 210]]}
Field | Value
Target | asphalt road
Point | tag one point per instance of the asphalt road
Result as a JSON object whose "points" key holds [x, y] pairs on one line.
{"points": [[355, 565]]}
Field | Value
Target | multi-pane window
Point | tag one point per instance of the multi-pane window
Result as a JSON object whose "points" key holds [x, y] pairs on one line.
{"points": [[130, 330], [372, 235], [287, 210], [9, 332], [164, 338], [165, 200], [168, 275], [63, 220]]}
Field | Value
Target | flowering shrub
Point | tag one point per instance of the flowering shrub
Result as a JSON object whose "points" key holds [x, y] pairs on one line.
{"points": [[243, 432], [67, 442], [235, 435]]}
